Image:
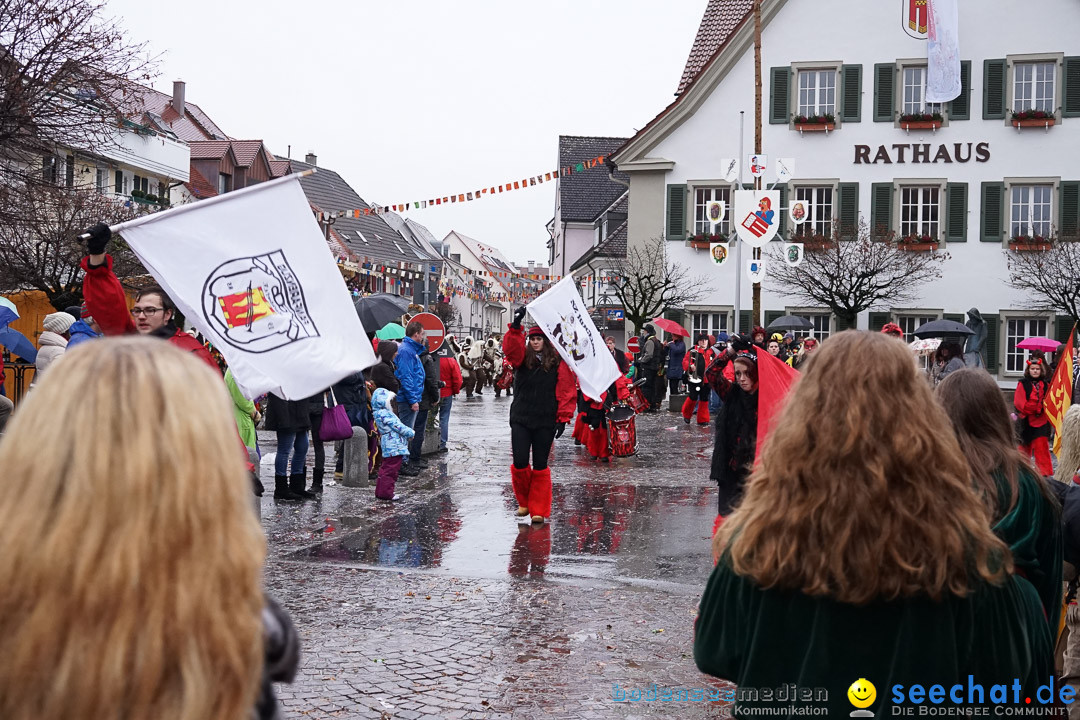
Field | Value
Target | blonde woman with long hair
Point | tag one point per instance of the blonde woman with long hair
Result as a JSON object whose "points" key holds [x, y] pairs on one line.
{"points": [[861, 552], [131, 571]]}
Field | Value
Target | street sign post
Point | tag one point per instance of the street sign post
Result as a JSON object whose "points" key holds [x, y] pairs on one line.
{"points": [[434, 330], [634, 345]]}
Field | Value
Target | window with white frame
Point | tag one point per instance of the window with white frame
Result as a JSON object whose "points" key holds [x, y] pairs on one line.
{"points": [[709, 323], [817, 92], [818, 205], [1033, 86], [102, 180], [822, 323], [920, 210], [1030, 208], [914, 92], [702, 197], [1018, 329], [910, 323]]}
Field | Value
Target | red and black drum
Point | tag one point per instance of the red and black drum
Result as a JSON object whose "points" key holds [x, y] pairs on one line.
{"points": [[506, 377], [637, 401], [622, 432]]}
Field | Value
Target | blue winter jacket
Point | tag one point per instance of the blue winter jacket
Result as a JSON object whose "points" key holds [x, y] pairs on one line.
{"points": [[80, 332], [393, 434], [676, 353], [409, 372]]}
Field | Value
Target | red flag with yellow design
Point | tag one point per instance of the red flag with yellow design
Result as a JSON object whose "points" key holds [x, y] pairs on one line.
{"points": [[1059, 397]]}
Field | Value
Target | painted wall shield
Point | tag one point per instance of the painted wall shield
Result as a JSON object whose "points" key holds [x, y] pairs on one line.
{"points": [[757, 216]]}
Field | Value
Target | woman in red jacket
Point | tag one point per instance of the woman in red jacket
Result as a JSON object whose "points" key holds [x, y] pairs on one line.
{"points": [[543, 404], [1029, 401]]}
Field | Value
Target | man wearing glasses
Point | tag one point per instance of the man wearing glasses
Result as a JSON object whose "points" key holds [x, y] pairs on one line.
{"points": [[106, 302]]}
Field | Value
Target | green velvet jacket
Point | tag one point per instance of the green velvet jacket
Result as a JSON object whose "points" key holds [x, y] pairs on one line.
{"points": [[1032, 530], [766, 640]]}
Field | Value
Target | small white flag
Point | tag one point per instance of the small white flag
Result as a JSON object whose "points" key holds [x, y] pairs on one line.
{"points": [[943, 52], [561, 314], [252, 272]]}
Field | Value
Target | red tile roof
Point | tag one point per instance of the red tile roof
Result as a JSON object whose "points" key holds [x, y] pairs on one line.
{"points": [[278, 168], [136, 100], [246, 151], [209, 149], [198, 186], [719, 22]]}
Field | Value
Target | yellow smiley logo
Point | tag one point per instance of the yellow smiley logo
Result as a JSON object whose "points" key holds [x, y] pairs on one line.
{"points": [[862, 693]]}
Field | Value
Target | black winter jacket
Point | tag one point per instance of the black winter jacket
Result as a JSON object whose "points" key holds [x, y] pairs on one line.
{"points": [[287, 415], [432, 383], [382, 374]]}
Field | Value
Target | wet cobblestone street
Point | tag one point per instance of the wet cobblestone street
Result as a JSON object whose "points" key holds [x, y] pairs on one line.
{"points": [[442, 605]]}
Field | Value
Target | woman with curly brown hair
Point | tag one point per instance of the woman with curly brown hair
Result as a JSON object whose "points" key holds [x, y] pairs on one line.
{"points": [[129, 590], [1024, 512], [861, 551]]}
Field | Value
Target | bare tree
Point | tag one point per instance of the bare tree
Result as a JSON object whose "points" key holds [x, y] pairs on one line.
{"points": [[647, 282], [447, 313], [67, 76], [850, 276], [39, 248], [1050, 278]]}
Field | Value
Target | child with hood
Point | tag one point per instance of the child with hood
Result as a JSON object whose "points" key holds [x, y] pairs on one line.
{"points": [[394, 437]]}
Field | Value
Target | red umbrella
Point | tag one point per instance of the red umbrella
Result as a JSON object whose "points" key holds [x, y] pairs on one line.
{"points": [[670, 326]]}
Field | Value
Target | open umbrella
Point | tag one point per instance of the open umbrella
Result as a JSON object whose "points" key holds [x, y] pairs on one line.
{"points": [[670, 326], [17, 344], [8, 312], [391, 331], [377, 310], [1039, 343], [790, 322], [943, 328]]}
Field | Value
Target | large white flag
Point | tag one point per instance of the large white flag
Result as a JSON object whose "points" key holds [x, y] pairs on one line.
{"points": [[252, 272], [942, 52], [560, 313]]}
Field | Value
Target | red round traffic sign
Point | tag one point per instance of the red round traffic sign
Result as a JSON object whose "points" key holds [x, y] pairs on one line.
{"points": [[634, 344], [434, 330]]}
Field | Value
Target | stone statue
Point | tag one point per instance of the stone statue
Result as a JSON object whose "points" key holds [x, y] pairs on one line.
{"points": [[973, 352]]}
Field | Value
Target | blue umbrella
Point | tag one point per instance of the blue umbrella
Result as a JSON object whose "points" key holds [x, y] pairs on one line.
{"points": [[8, 312], [17, 344]]}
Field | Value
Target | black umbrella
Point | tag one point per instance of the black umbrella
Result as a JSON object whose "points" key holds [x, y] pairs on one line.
{"points": [[378, 309], [942, 328], [790, 322]]}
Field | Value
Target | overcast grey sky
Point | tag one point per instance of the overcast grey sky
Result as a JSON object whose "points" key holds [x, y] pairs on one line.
{"points": [[410, 99]]}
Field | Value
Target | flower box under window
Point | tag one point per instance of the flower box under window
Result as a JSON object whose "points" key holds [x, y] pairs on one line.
{"points": [[1033, 118], [815, 123], [921, 121], [815, 242], [918, 243], [704, 241], [1023, 243]]}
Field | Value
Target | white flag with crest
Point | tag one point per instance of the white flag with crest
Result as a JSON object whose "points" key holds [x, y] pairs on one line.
{"points": [[943, 52], [560, 312], [252, 272]]}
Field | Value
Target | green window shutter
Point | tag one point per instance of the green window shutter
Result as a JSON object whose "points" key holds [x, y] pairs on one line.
{"points": [[956, 211], [676, 212], [881, 196], [848, 209], [1069, 218], [960, 107], [851, 93], [779, 95], [993, 89], [955, 317], [783, 211], [1070, 104], [842, 324], [746, 322], [991, 216], [992, 348], [884, 84], [1063, 325], [878, 321]]}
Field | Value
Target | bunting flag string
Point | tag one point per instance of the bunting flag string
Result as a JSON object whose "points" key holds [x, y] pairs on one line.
{"points": [[508, 186]]}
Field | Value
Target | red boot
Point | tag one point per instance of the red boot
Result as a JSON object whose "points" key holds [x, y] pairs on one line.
{"points": [[521, 479], [687, 409], [703, 413], [540, 495]]}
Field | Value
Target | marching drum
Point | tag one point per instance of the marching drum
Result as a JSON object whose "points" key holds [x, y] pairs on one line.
{"points": [[637, 400], [622, 432]]}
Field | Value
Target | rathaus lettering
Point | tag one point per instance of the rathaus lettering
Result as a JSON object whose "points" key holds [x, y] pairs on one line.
{"points": [[921, 153]]}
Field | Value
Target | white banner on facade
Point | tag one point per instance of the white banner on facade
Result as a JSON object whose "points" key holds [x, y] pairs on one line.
{"points": [[252, 272], [942, 52], [561, 314]]}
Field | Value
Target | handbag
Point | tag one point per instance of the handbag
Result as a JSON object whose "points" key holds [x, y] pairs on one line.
{"points": [[335, 422]]}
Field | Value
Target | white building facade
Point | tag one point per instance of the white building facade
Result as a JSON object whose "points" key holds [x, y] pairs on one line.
{"points": [[972, 181]]}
